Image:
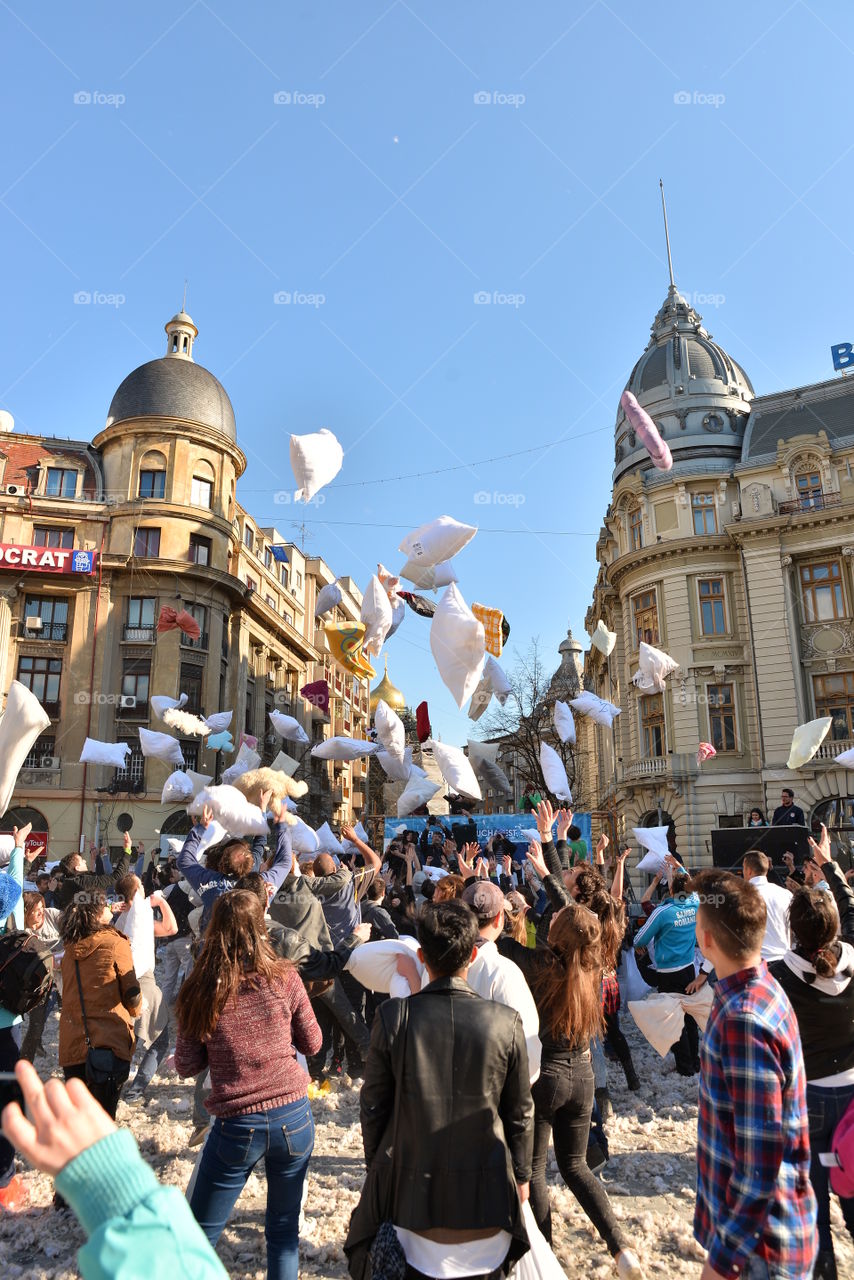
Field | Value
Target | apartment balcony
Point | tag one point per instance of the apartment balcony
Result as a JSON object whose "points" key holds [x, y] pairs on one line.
{"points": [[640, 769], [201, 643], [139, 635], [810, 502], [40, 777], [833, 747], [56, 631]]}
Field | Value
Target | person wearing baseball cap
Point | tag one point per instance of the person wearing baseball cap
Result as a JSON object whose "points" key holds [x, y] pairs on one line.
{"points": [[493, 976]]}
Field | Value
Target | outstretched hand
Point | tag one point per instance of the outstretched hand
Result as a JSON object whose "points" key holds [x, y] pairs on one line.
{"points": [[564, 822], [467, 858], [544, 813], [66, 1120], [821, 851], [20, 834], [536, 860]]}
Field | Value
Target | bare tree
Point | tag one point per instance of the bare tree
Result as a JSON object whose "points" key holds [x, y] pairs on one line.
{"points": [[525, 720]]}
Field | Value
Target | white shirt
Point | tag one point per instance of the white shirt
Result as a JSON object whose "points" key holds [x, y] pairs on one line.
{"points": [[447, 1261], [776, 942], [494, 977]]}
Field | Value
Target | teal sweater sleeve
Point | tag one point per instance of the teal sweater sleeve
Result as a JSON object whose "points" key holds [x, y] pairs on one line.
{"points": [[136, 1227]]}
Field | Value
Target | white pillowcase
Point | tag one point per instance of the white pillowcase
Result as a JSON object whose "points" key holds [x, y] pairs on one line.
{"points": [[303, 838], [231, 808], [185, 722], [439, 540], [418, 791], [287, 727], [245, 760], [655, 840], [498, 682], [344, 749], [285, 764], [458, 645], [327, 841], [327, 599], [161, 746], [599, 710], [807, 739], [219, 721], [23, 720], [198, 780], [377, 616], [456, 769], [315, 460], [429, 577], [396, 770], [112, 753], [390, 730], [160, 703], [177, 789], [564, 723], [374, 964], [603, 639], [554, 773], [654, 666]]}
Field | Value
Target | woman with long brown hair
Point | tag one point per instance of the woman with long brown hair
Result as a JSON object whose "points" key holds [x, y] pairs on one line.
{"points": [[243, 1013], [565, 978]]}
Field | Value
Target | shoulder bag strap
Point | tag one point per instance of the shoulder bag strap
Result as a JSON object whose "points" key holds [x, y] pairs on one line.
{"points": [[400, 1057], [82, 1005]]}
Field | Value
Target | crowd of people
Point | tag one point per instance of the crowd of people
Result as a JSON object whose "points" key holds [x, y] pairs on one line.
{"points": [[478, 1031]]}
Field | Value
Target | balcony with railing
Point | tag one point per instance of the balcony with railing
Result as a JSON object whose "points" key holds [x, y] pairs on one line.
{"points": [[55, 631], [833, 747], [806, 502], [653, 768], [139, 635], [188, 643]]}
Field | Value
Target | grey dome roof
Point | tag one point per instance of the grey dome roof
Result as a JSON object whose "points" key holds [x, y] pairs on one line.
{"points": [[174, 388], [696, 394]]}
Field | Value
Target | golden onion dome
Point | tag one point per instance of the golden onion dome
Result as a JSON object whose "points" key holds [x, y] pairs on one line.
{"points": [[387, 692]]}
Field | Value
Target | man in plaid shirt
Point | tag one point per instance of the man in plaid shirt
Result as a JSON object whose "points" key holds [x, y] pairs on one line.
{"points": [[755, 1211]]}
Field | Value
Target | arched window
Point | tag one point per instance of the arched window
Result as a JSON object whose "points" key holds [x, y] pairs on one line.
{"points": [[635, 529], [38, 837], [152, 475], [808, 487], [202, 488]]}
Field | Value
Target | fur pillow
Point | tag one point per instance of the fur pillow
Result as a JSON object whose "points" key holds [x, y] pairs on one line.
{"points": [[184, 722], [254, 781]]}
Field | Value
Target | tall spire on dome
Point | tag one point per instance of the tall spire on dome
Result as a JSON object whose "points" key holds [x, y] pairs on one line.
{"points": [[181, 333], [666, 234]]}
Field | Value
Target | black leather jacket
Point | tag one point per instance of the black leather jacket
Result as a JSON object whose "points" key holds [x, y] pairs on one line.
{"points": [[465, 1125]]}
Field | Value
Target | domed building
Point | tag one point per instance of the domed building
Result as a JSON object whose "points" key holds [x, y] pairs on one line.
{"points": [[386, 692], [107, 535], [731, 563]]}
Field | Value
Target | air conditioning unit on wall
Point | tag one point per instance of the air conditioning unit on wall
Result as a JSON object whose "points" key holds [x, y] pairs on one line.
{"points": [[13, 490], [49, 762], [127, 701]]}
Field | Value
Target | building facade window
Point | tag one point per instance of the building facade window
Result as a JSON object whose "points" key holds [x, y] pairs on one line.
{"points": [[146, 543], [298, 579], [200, 614], [200, 549], [268, 557], [722, 733], [52, 615], [808, 488], [136, 676], [201, 492], [645, 618], [152, 484], [190, 752], [248, 537], [821, 591], [191, 684], [42, 677], [132, 776], [834, 697], [251, 583], [652, 724], [636, 529], [141, 623], [42, 749], [705, 515], [712, 607], [50, 536], [249, 717], [61, 482]]}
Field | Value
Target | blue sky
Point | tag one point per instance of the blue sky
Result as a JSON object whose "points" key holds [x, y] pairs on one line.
{"points": [[144, 145]]}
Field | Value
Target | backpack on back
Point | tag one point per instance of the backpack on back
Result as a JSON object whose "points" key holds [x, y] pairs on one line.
{"points": [[26, 971]]}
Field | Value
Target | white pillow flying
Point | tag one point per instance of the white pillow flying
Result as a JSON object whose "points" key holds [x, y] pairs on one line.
{"points": [[231, 808], [603, 639], [327, 599], [417, 792], [177, 789], [654, 666], [161, 746], [344, 749], [458, 645], [112, 753], [377, 616], [23, 720], [390, 730], [327, 841], [807, 739], [599, 710], [429, 577], [564, 723], [315, 460], [287, 727], [554, 773], [439, 540], [456, 769]]}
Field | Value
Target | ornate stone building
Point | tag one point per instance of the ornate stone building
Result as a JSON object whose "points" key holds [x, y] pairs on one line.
{"points": [[736, 563], [95, 539]]}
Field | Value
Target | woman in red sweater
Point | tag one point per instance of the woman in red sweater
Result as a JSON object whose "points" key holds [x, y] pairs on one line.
{"points": [[243, 1012]]}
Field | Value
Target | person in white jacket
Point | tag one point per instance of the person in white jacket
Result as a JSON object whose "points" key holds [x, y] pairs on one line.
{"points": [[755, 867]]}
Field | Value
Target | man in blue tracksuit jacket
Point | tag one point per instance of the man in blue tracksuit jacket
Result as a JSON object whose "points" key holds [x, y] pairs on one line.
{"points": [[672, 928]]}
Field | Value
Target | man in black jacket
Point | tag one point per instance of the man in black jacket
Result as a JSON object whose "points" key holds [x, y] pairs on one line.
{"points": [[76, 877], [787, 813], [447, 1117]]}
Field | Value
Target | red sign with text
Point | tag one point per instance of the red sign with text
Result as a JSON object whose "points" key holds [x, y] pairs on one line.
{"points": [[47, 559]]}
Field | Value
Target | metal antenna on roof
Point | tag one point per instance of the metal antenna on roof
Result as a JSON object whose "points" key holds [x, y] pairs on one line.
{"points": [[303, 532], [667, 235], [184, 299]]}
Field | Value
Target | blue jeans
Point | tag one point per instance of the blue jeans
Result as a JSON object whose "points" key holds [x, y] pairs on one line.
{"points": [[758, 1269], [285, 1139], [826, 1108]]}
